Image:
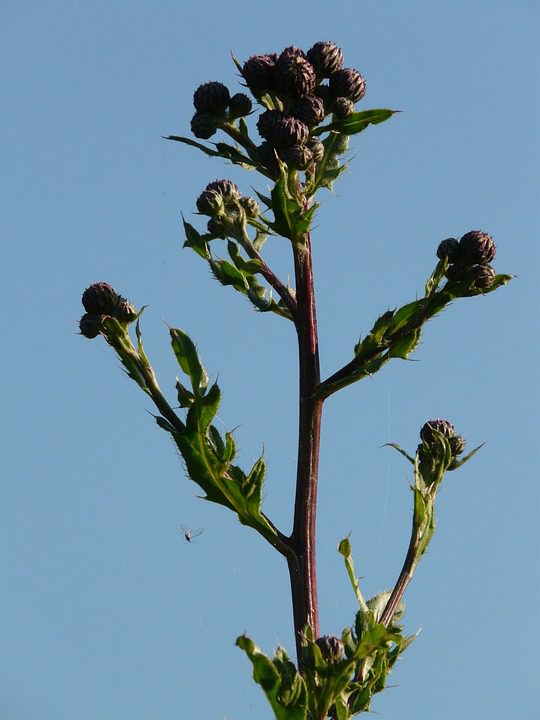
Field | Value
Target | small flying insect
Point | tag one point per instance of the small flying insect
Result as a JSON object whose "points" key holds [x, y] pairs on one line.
{"points": [[190, 534]]}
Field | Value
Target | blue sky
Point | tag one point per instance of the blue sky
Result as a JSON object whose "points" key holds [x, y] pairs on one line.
{"points": [[106, 612]]}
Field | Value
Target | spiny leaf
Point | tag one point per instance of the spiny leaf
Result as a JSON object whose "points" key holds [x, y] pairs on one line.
{"points": [[188, 359]]}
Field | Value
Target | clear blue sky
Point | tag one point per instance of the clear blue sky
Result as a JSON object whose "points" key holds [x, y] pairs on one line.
{"points": [[106, 612]]}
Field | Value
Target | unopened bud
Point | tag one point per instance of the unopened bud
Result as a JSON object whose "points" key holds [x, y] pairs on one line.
{"points": [[326, 58], [210, 203], [251, 207], [212, 97], [448, 248], [226, 188], [347, 83], [298, 157], [444, 427], [483, 276], [310, 110], [203, 125], [477, 248], [295, 75], [90, 325], [317, 149], [258, 72], [102, 299], [331, 648], [239, 106], [342, 107]]}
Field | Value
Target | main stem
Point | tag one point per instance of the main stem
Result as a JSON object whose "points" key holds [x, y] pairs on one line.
{"points": [[302, 566]]}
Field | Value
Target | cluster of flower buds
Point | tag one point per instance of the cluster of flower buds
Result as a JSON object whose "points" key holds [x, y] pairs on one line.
{"points": [[469, 258], [429, 449], [227, 208], [214, 106], [307, 87], [100, 300]]}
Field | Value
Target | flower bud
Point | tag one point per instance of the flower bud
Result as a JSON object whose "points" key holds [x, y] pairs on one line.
{"points": [[251, 207], [226, 188], [282, 130], [217, 227], [258, 72], [295, 76], [298, 157], [331, 648], [342, 107], [483, 276], [212, 97], [457, 445], [444, 427], [100, 299], [347, 83], [90, 325], [203, 125], [210, 202], [326, 58], [448, 248], [477, 248], [309, 109], [317, 149], [239, 106]]}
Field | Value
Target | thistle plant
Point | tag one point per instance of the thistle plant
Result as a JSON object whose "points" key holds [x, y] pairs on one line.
{"points": [[294, 132]]}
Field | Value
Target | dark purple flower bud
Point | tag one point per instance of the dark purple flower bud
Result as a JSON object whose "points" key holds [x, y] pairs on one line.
{"points": [[477, 248], [258, 72], [203, 125], [212, 97], [348, 83], [295, 76], [90, 325], [251, 207], [326, 58], [210, 203], [317, 149], [448, 248], [309, 109], [457, 445], [266, 123], [239, 106], [331, 648], [298, 157], [100, 299], [226, 188], [483, 276], [282, 130], [444, 427], [342, 107]]}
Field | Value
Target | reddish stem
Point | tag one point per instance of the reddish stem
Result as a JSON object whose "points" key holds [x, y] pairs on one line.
{"points": [[302, 567]]}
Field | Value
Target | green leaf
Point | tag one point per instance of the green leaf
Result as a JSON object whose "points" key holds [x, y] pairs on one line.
{"points": [[458, 463], [344, 549], [400, 450], [357, 122], [227, 274], [195, 240], [185, 397], [188, 359], [405, 345], [285, 691], [203, 411], [193, 143]]}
